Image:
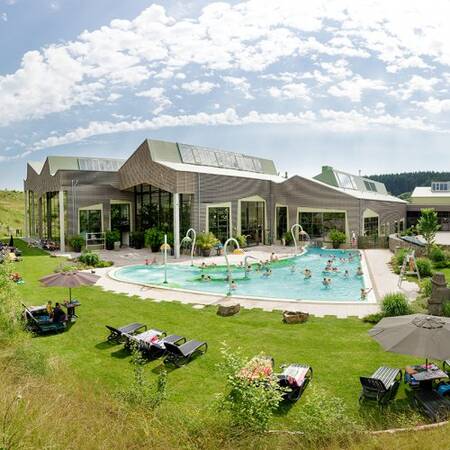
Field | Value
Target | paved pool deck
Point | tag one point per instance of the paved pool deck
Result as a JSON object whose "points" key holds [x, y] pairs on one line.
{"points": [[382, 279]]}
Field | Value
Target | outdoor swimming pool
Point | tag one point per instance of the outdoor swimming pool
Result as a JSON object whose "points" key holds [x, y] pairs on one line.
{"points": [[284, 283]]}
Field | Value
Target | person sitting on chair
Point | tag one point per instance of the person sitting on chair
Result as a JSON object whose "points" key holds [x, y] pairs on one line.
{"points": [[58, 314], [49, 308]]}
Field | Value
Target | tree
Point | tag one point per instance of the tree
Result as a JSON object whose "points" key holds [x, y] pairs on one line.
{"points": [[428, 225]]}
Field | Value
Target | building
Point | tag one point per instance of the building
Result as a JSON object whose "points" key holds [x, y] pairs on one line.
{"points": [[176, 186], [436, 196]]}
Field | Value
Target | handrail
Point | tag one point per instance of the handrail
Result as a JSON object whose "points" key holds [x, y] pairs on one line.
{"points": [[228, 263]]}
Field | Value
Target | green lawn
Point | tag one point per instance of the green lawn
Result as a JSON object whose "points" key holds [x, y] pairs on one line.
{"points": [[339, 350], [11, 211]]}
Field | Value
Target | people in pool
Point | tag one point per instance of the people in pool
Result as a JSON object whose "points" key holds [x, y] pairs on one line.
{"points": [[364, 293], [359, 271], [307, 273], [205, 277], [346, 274], [273, 257], [268, 272], [233, 285], [326, 282]]}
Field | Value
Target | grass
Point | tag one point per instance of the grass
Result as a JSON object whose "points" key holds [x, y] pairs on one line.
{"points": [[91, 371], [11, 211]]}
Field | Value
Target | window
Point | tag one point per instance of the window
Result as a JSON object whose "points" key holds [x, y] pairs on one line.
{"points": [[219, 222], [370, 186], [252, 221], [440, 186], [90, 221], [371, 226], [281, 214], [345, 180], [120, 216], [319, 224]]}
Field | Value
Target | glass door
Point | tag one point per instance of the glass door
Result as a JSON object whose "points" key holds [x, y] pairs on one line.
{"points": [[219, 222], [253, 222], [281, 214]]}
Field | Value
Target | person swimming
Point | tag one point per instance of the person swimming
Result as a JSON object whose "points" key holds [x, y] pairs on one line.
{"points": [[233, 285], [359, 271], [326, 282], [364, 293], [346, 274], [273, 257], [268, 272], [307, 273]]}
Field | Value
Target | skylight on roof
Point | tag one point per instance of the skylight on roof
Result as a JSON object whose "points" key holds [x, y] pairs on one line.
{"points": [[203, 156], [345, 181], [99, 165]]}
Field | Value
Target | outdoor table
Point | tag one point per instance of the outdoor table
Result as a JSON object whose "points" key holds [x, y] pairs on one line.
{"points": [[423, 376], [71, 308]]}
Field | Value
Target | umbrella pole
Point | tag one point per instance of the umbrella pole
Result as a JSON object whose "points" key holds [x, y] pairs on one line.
{"points": [[70, 295]]}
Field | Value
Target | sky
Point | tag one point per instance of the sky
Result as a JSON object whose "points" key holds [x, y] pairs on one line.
{"points": [[356, 85]]}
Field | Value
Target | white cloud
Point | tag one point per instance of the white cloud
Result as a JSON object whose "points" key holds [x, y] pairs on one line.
{"points": [[415, 84], [4, 17], [355, 87], [434, 105], [241, 84], [157, 95], [113, 97], [199, 87], [290, 91]]}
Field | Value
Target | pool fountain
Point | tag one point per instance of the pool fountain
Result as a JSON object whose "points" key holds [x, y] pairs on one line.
{"points": [[191, 241], [302, 233]]}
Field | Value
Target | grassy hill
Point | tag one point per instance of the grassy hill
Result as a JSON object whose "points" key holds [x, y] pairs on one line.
{"points": [[11, 211]]}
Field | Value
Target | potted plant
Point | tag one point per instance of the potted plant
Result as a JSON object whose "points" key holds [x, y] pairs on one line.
{"points": [[137, 239], [154, 238], [110, 238], [242, 240], [287, 237], [206, 242], [337, 238], [76, 242]]}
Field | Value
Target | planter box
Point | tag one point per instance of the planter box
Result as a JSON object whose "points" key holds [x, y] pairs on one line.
{"points": [[228, 310], [295, 317]]}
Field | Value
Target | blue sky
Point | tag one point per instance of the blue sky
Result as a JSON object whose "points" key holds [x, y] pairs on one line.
{"points": [[357, 85]]}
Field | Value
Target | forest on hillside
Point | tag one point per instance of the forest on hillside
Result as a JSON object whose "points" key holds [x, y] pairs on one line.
{"points": [[400, 183]]}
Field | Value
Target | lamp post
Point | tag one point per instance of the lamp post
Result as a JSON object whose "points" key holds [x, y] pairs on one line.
{"points": [[225, 246]]}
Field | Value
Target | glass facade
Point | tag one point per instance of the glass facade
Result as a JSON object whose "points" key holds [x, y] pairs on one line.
{"points": [[219, 222], [120, 217], [371, 226], [252, 221], [319, 224], [154, 208], [281, 215], [90, 221]]}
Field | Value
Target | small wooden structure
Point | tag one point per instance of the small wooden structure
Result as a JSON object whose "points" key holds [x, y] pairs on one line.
{"points": [[228, 310], [295, 317]]}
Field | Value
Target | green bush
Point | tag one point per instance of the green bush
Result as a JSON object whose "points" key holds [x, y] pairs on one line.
{"points": [[397, 259], [337, 238], [89, 258], [250, 402], [373, 318], [76, 242], [395, 304], [206, 241], [288, 239], [446, 309], [437, 255], [424, 266], [110, 238], [154, 238], [242, 240], [137, 239], [323, 418], [426, 287]]}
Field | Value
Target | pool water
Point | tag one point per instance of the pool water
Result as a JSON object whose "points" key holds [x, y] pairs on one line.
{"points": [[284, 282]]}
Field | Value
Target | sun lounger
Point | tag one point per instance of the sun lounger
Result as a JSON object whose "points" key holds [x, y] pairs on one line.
{"points": [[437, 408], [142, 340], [41, 326], [382, 386], [180, 354], [116, 334], [294, 379], [157, 349]]}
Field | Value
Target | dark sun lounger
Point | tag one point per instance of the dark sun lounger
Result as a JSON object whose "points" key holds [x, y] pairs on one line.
{"points": [[179, 354], [43, 327], [437, 408], [382, 386], [116, 334]]}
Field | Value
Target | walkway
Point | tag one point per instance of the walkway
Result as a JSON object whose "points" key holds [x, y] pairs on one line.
{"points": [[384, 280]]}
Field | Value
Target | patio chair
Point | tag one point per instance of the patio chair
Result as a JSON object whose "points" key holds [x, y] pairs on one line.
{"points": [[382, 386], [158, 349], [434, 406], [116, 334], [295, 378], [142, 340], [180, 354], [42, 327]]}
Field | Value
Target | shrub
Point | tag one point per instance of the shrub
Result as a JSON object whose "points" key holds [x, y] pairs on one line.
{"points": [[373, 318], [446, 309], [426, 287], [395, 304], [153, 238], [424, 267], [206, 241], [76, 242], [141, 392], [250, 402], [437, 255], [288, 239], [324, 417], [337, 238], [89, 258], [242, 240], [428, 225], [397, 259], [110, 238], [137, 239]]}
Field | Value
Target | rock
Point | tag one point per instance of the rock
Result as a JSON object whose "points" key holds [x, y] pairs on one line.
{"points": [[295, 317], [228, 310]]}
